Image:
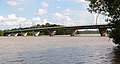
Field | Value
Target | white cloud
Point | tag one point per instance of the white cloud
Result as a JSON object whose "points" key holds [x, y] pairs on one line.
{"points": [[21, 19], [44, 4], [12, 17], [76, 18], [59, 15], [62, 19], [12, 3], [70, 17], [12, 21], [20, 9], [42, 11], [45, 21], [67, 11], [100, 20], [79, 1], [39, 20], [1, 18], [27, 23]]}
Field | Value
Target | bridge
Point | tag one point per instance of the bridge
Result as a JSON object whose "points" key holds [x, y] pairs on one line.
{"points": [[52, 30]]}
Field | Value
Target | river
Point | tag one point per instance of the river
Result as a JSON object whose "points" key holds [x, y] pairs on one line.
{"points": [[58, 50]]}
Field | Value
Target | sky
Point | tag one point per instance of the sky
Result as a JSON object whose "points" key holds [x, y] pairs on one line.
{"points": [[25, 13]]}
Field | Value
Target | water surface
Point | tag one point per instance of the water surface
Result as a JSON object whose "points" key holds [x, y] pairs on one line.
{"points": [[58, 50]]}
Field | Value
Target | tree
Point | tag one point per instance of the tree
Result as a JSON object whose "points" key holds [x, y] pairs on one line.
{"points": [[47, 24], [1, 33], [111, 9]]}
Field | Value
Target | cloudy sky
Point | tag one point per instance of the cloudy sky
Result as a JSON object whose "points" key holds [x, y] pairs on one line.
{"points": [[24, 13]]}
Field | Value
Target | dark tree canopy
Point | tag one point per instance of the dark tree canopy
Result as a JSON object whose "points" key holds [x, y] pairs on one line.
{"points": [[111, 9]]}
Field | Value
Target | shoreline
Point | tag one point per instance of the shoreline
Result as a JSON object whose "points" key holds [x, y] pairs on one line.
{"points": [[79, 35]]}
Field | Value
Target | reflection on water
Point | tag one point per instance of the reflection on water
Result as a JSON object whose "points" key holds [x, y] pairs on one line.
{"points": [[115, 55], [58, 50]]}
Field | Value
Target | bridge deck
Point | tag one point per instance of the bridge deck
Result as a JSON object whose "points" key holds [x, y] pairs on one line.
{"points": [[62, 28]]}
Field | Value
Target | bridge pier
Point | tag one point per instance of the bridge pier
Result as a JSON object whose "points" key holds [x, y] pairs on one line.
{"points": [[51, 32], [9, 35], [24, 34], [73, 32], [36, 33], [103, 31], [15, 34]]}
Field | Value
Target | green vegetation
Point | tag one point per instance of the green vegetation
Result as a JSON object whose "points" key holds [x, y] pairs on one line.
{"points": [[111, 9], [88, 32], [37, 26], [1, 33]]}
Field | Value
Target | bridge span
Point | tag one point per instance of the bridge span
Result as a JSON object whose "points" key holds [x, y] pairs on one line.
{"points": [[52, 30]]}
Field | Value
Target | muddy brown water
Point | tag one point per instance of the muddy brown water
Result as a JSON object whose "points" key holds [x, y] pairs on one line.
{"points": [[58, 50]]}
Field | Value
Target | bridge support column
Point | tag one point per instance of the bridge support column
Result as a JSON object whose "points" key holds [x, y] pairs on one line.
{"points": [[24, 34], [9, 35], [15, 34], [103, 31], [73, 32], [36, 33], [52, 32]]}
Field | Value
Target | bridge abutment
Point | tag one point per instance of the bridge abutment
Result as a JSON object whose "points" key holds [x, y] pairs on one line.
{"points": [[103, 31]]}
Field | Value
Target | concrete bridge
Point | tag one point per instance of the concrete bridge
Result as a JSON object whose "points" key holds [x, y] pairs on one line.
{"points": [[52, 30]]}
